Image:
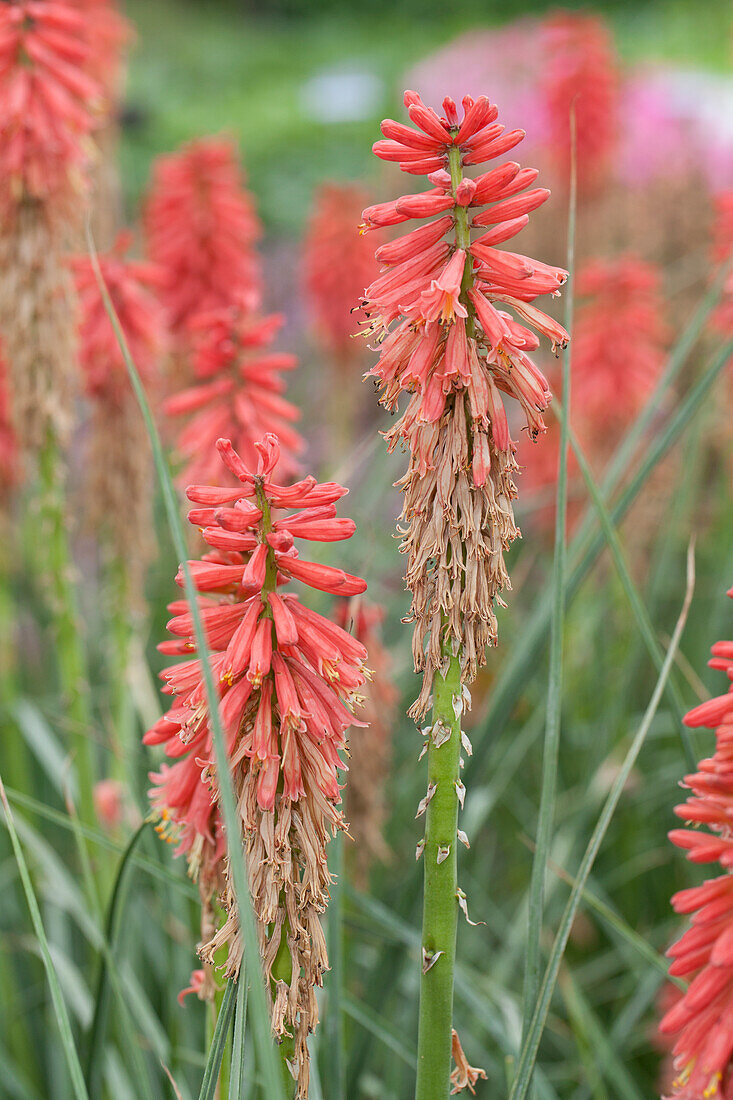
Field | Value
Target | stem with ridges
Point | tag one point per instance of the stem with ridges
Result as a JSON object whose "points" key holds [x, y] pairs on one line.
{"points": [[282, 968], [440, 904]]}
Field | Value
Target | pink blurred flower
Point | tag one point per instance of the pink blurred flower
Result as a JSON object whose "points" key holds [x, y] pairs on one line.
{"points": [[109, 802]]}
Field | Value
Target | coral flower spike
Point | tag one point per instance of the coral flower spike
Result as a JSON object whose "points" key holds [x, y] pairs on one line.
{"points": [[288, 680], [454, 318], [201, 229], [701, 1020]]}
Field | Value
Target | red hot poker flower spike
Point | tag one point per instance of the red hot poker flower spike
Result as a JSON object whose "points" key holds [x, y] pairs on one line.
{"points": [[619, 343], [47, 101], [455, 320], [581, 74], [288, 679], [338, 264], [701, 1020], [201, 229], [238, 392]]}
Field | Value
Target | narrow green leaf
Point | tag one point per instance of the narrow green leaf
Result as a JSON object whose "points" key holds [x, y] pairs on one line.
{"points": [[236, 1073], [530, 1045], [59, 1006], [218, 1042], [376, 1026], [111, 932], [640, 613], [261, 1015], [551, 749]]}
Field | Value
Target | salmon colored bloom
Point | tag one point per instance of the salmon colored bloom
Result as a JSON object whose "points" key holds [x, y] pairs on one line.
{"points": [[701, 1020], [201, 229], [109, 34], [288, 679], [238, 392], [619, 343], [338, 265], [581, 74], [131, 285], [47, 100], [455, 322], [722, 251], [117, 467]]}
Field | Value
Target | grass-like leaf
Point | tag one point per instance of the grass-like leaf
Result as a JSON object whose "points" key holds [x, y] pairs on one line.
{"points": [[236, 1072], [111, 933], [218, 1042], [530, 1045], [551, 749], [59, 1006]]}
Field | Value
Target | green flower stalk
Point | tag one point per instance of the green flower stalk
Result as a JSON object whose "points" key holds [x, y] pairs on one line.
{"points": [[446, 339]]}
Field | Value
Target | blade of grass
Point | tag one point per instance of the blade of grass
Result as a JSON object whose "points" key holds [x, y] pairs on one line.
{"points": [[59, 1006], [218, 1042], [375, 1025], [530, 1045], [640, 613], [551, 749], [261, 1016], [115, 911], [236, 1076], [98, 837]]}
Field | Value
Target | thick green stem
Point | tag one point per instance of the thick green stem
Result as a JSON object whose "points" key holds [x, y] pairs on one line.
{"points": [[69, 646], [440, 906], [282, 968]]}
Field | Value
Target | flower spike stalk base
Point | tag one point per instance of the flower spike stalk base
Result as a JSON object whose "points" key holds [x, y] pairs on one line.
{"points": [[440, 906]]}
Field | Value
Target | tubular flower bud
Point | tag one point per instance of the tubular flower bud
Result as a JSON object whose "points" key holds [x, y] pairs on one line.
{"points": [[288, 680], [438, 311], [117, 466], [338, 264], [237, 391], [701, 1019], [201, 229]]}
